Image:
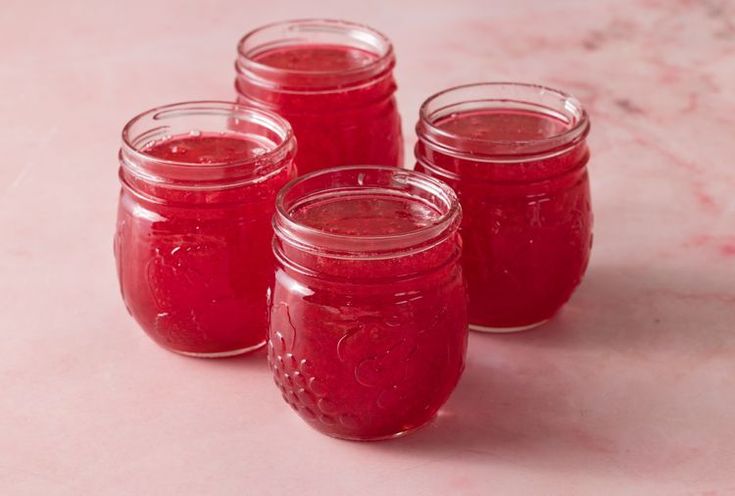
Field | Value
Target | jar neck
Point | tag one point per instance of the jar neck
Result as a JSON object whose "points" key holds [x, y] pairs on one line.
{"points": [[455, 166], [502, 131], [151, 175], [306, 263], [370, 94], [257, 74], [323, 252]]}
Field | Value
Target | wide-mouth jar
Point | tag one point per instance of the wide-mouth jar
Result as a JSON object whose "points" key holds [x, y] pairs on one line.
{"points": [[333, 81], [368, 322], [516, 154], [192, 245]]}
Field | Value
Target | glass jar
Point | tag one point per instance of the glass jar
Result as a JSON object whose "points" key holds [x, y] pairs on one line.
{"points": [[516, 154], [333, 81], [368, 324], [193, 241]]}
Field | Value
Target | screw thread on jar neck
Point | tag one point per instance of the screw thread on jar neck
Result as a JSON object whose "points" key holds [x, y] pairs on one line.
{"points": [[199, 118], [302, 244], [517, 97], [283, 35]]}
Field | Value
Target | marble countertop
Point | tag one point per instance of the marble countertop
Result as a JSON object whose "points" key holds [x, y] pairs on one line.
{"points": [[630, 390]]}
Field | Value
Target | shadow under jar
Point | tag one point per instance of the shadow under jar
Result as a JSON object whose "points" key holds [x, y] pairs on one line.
{"points": [[516, 155], [193, 241], [368, 324], [333, 81]]}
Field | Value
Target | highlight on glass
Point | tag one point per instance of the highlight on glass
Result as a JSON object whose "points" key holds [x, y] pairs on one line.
{"points": [[516, 154], [333, 81], [368, 327], [193, 240]]}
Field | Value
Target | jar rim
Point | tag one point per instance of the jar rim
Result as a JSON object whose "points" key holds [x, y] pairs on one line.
{"points": [[205, 116], [199, 106], [286, 226], [488, 92], [359, 32]]}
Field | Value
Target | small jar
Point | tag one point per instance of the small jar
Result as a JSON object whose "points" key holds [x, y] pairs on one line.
{"points": [[193, 241], [368, 324], [333, 81], [516, 154]]}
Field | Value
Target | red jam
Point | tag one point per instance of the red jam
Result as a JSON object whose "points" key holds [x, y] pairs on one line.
{"points": [[193, 242], [517, 161], [333, 81], [207, 149], [368, 324], [316, 58]]}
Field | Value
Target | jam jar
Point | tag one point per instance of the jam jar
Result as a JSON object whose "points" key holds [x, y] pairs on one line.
{"points": [[333, 81], [516, 154], [368, 326], [193, 240]]}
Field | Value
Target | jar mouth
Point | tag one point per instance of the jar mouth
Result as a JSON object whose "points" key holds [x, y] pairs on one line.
{"points": [[367, 180], [299, 32], [505, 96], [203, 117]]}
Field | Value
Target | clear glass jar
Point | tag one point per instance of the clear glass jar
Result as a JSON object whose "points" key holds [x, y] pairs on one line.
{"points": [[193, 241], [333, 81], [516, 154], [368, 324]]}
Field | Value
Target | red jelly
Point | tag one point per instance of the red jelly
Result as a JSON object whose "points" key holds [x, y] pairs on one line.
{"points": [[368, 322], [333, 81], [516, 155], [193, 242]]}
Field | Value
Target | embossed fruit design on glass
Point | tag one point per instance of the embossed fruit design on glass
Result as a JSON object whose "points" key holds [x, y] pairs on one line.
{"points": [[193, 241], [368, 324], [516, 154], [333, 81]]}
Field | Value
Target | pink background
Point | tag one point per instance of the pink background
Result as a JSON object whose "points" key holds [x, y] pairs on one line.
{"points": [[631, 390]]}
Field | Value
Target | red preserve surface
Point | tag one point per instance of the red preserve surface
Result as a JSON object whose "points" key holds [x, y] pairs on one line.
{"points": [[208, 149], [195, 265], [334, 123], [366, 216], [368, 348], [317, 58], [527, 224]]}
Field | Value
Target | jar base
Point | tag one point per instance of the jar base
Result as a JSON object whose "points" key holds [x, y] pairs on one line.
{"points": [[221, 354], [379, 438], [504, 330]]}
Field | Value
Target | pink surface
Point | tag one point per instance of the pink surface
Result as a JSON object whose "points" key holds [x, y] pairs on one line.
{"points": [[631, 390]]}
